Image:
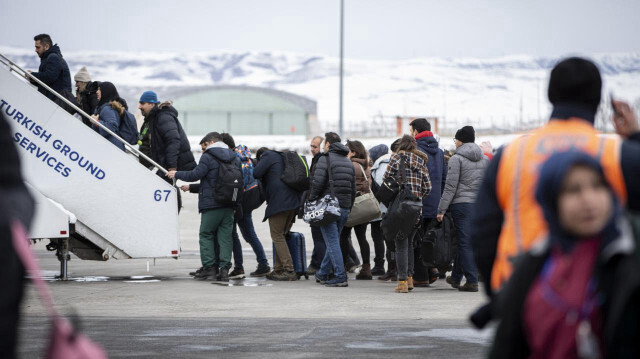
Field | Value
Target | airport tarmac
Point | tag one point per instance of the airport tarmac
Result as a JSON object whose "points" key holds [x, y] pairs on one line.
{"points": [[163, 313]]}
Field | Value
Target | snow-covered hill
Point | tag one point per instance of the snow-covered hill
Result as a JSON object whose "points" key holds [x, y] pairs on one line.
{"points": [[484, 92]]}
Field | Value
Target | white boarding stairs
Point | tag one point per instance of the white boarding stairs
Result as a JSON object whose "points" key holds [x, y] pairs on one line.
{"points": [[92, 199]]}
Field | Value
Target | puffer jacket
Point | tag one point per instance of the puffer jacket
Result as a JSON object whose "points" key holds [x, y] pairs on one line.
{"points": [[169, 144], [280, 197], [343, 173], [363, 183], [54, 72], [437, 172], [466, 171], [207, 172], [109, 116]]}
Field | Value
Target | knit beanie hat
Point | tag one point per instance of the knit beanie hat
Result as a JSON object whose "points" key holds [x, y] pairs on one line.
{"points": [[82, 75], [575, 82], [466, 134]]}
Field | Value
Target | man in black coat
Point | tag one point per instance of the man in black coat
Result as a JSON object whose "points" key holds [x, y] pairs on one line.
{"points": [[169, 144], [53, 70], [344, 188], [282, 206]]}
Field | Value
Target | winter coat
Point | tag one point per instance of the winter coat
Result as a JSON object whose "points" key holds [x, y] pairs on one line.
{"points": [[144, 143], [416, 172], [207, 172], [54, 72], [363, 185], [109, 116], [378, 170], [465, 174], [88, 100], [280, 197], [170, 147], [437, 173], [342, 172]]}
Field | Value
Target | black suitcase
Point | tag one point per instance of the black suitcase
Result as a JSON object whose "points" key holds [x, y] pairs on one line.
{"points": [[298, 250], [439, 244]]}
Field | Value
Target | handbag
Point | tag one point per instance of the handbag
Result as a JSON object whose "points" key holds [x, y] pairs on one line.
{"points": [[404, 210], [325, 210], [388, 190], [66, 342], [365, 209]]}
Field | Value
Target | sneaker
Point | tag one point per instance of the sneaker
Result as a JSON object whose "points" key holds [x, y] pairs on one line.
{"points": [[285, 276], [468, 287], [311, 270], [322, 279], [196, 271], [224, 275], [261, 271], [377, 270], [237, 273], [337, 282], [208, 273], [452, 283]]}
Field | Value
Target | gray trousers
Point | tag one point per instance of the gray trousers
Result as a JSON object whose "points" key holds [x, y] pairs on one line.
{"points": [[404, 256]]}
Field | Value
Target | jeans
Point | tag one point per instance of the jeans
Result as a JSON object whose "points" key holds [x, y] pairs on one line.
{"points": [[378, 243], [404, 255], [319, 248], [249, 234], [361, 235], [333, 255], [464, 262]]}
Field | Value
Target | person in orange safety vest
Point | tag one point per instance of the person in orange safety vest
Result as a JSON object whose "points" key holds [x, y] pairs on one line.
{"points": [[507, 220]]}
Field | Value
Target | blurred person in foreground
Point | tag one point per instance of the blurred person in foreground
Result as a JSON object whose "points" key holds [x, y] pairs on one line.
{"points": [[576, 294]]}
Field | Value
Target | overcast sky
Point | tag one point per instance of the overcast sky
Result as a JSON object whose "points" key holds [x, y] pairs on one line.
{"points": [[374, 29]]}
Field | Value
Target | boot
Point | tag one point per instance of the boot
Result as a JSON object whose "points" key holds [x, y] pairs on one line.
{"points": [[402, 287], [391, 273], [410, 283], [378, 270], [365, 272], [224, 275], [208, 273]]}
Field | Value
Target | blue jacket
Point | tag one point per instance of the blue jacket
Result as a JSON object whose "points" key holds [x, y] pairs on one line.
{"points": [[207, 172], [110, 118], [280, 197], [54, 72], [437, 172]]}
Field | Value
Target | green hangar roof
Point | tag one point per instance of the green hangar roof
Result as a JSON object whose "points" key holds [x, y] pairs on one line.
{"points": [[244, 110]]}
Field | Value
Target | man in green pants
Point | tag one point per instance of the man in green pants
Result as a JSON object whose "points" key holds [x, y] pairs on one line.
{"points": [[216, 202]]}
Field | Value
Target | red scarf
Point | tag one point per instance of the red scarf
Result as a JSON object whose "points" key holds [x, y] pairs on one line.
{"points": [[424, 134]]}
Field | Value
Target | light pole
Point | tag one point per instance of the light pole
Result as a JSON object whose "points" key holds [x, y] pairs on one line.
{"points": [[340, 121]]}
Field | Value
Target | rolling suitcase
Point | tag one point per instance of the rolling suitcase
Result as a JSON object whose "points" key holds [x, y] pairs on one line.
{"points": [[298, 250]]}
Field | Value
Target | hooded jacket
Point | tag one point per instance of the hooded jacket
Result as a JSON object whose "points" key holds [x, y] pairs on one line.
{"points": [[363, 179], [617, 269], [54, 72], [437, 172], [109, 115], [280, 197], [464, 176], [169, 143], [207, 173], [342, 172]]}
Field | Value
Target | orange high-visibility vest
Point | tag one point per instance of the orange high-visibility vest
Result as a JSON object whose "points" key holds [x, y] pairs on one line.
{"points": [[517, 178]]}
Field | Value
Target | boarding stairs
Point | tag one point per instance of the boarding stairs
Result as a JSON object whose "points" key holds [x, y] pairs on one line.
{"points": [[92, 199]]}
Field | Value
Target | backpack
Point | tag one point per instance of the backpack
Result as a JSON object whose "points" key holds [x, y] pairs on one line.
{"points": [[128, 128], [439, 244], [229, 184], [244, 155], [296, 171]]}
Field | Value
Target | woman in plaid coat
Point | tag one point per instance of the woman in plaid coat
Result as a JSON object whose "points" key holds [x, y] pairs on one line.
{"points": [[417, 176]]}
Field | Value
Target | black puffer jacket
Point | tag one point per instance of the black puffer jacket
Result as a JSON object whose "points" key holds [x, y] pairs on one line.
{"points": [[207, 172], [54, 72], [344, 176], [169, 144], [279, 196], [88, 99]]}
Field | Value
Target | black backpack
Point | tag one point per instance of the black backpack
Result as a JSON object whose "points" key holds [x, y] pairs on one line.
{"points": [[439, 244], [229, 184], [296, 171]]}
